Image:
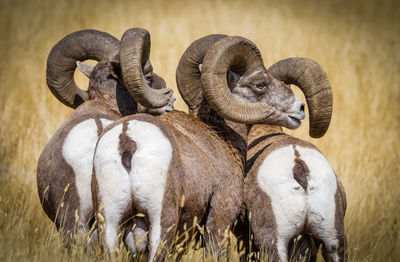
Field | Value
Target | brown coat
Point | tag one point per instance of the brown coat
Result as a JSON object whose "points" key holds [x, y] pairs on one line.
{"points": [[204, 169], [54, 174]]}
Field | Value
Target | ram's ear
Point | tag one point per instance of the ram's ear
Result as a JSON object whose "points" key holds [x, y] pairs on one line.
{"points": [[85, 68], [115, 69]]}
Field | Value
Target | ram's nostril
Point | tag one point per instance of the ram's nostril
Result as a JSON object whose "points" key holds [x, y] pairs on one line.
{"points": [[302, 107]]}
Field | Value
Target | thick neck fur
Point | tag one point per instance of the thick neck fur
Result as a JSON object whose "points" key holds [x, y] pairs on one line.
{"points": [[108, 92], [258, 131], [118, 101], [97, 106], [233, 133], [261, 137]]}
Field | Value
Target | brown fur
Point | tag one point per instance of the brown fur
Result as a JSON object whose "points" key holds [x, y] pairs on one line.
{"points": [[107, 99], [300, 170], [199, 173], [262, 219], [269, 144], [108, 91], [127, 147], [232, 133], [262, 140], [95, 193], [206, 183], [99, 126], [341, 206], [54, 172]]}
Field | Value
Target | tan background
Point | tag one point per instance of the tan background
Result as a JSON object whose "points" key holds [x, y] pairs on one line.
{"points": [[357, 42]]}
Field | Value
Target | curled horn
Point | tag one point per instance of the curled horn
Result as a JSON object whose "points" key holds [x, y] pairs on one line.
{"points": [[61, 62], [309, 76], [188, 75], [134, 53], [241, 55]]}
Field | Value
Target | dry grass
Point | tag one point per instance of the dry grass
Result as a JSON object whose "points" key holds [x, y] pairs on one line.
{"points": [[357, 43]]}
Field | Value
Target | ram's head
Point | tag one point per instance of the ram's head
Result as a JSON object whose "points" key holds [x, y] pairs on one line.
{"points": [[123, 70], [228, 72]]}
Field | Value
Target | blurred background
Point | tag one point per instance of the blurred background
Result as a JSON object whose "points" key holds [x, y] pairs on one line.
{"points": [[356, 42]]}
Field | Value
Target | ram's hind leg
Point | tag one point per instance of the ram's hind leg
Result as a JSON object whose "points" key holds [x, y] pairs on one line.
{"points": [[149, 167], [326, 223], [333, 248], [111, 187], [225, 207], [328, 227], [279, 220], [262, 223], [115, 207], [330, 231], [301, 248]]}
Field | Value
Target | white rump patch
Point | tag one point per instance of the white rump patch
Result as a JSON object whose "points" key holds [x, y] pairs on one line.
{"points": [[105, 122], [146, 180], [150, 164], [78, 150], [322, 186], [113, 183], [292, 206]]}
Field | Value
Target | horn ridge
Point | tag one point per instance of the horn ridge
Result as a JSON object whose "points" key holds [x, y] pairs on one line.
{"points": [[241, 55], [134, 53], [188, 75], [61, 62], [311, 78]]}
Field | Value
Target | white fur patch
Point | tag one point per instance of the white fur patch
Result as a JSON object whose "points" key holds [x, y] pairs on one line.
{"points": [[292, 206], [150, 164], [146, 180], [322, 186], [113, 183], [78, 150], [105, 122]]}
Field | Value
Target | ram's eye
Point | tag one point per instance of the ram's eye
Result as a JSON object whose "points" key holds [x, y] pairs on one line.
{"points": [[260, 86], [149, 78]]}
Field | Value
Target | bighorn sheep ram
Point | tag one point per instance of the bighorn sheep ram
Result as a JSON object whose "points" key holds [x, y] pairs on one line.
{"points": [[290, 188], [263, 139], [65, 166], [190, 159]]}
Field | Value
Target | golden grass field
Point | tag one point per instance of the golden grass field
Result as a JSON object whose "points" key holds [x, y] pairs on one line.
{"points": [[357, 42]]}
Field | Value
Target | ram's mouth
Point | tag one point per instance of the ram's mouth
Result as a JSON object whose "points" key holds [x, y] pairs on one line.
{"points": [[295, 120]]}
